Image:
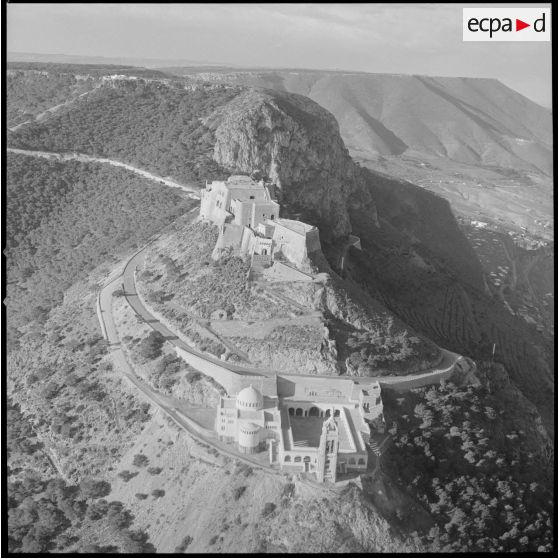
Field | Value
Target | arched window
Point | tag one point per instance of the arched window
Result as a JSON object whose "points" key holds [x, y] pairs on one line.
{"points": [[361, 461], [291, 411], [307, 459], [297, 459], [298, 412], [337, 413], [272, 217], [264, 252], [287, 459], [314, 412], [352, 461]]}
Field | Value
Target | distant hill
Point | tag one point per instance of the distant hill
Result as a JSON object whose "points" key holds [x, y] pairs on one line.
{"points": [[479, 144], [83, 59], [470, 120], [152, 125], [90, 69]]}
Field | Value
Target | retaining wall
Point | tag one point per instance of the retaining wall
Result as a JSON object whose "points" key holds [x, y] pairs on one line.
{"points": [[229, 380], [412, 383]]}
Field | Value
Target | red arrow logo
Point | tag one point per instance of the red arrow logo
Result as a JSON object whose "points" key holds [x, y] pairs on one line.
{"points": [[519, 25]]}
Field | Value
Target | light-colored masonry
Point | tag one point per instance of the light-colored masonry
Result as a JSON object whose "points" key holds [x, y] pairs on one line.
{"points": [[306, 424], [248, 219]]}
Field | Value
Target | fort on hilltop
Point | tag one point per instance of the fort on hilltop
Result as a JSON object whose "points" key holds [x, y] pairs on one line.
{"points": [[248, 219]]}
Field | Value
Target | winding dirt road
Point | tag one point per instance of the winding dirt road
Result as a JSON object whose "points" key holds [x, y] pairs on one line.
{"points": [[447, 364], [191, 191], [41, 117], [168, 405]]}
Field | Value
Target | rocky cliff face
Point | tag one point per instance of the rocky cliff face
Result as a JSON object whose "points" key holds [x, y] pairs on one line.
{"points": [[296, 143], [415, 260], [477, 121]]}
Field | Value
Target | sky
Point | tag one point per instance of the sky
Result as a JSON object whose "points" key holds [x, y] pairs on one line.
{"points": [[384, 38]]}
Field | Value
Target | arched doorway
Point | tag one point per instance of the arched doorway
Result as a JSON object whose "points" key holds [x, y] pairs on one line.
{"points": [[291, 411], [328, 413], [299, 412], [337, 413], [314, 412]]}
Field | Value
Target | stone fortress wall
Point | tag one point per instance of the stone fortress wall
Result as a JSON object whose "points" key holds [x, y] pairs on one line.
{"points": [[249, 222]]}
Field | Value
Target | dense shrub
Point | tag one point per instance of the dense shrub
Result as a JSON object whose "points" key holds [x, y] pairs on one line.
{"points": [[140, 460], [269, 508], [150, 347], [184, 544], [91, 488], [64, 219], [115, 122], [464, 462], [238, 492], [127, 475]]}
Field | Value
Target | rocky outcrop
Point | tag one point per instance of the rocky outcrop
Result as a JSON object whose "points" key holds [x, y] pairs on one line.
{"points": [[296, 144]]}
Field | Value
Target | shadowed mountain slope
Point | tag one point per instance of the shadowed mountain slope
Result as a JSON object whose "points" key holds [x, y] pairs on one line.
{"points": [[469, 120]]}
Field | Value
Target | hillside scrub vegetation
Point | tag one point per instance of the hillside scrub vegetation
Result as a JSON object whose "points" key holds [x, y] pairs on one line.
{"points": [[370, 340], [358, 335], [150, 125], [182, 271], [64, 219], [48, 514], [31, 92], [461, 455], [61, 376], [181, 281]]}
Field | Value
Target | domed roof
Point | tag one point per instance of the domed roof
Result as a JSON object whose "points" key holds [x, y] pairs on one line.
{"points": [[249, 398], [250, 427]]}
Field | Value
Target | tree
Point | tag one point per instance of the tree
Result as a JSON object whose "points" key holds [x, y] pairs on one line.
{"points": [[150, 347], [98, 509], [127, 475], [186, 541], [140, 460], [268, 508], [91, 488], [51, 390]]}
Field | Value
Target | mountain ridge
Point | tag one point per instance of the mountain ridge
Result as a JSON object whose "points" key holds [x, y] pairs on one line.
{"points": [[354, 97]]}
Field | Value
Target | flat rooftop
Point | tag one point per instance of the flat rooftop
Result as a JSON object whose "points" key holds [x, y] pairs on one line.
{"points": [[242, 181], [296, 226]]}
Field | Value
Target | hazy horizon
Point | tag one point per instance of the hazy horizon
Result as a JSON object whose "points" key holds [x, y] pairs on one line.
{"points": [[422, 39]]}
